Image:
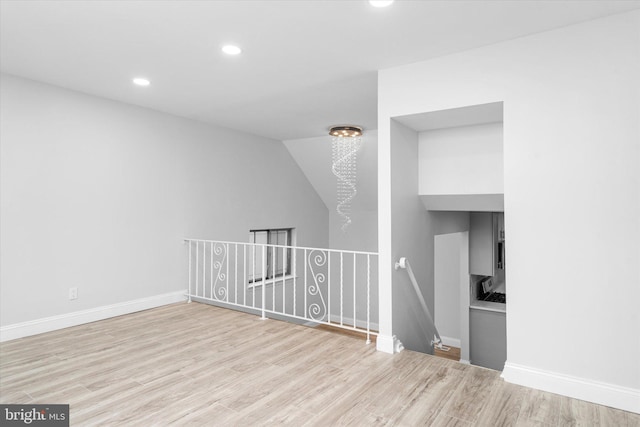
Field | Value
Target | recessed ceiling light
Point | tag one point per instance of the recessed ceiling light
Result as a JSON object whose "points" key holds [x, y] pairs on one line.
{"points": [[141, 81], [231, 49], [380, 3]]}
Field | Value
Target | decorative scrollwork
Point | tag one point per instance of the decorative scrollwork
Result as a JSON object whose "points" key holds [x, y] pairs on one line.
{"points": [[317, 258], [218, 291], [221, 294], [314, 311]]}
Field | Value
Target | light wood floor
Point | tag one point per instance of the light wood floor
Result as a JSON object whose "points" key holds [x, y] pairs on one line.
{"points": [[193, 364], [453, 353]]}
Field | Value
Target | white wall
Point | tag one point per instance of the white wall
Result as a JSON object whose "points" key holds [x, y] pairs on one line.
{"points": [[572, 195], [361, 235], [99, 195], [461, 160]]}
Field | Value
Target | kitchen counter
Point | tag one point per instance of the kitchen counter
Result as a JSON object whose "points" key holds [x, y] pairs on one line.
{"points": [[488, 306]]}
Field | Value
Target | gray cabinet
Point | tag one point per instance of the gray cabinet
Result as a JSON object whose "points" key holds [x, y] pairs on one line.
{"points": [[481, 244], [488, 338]]}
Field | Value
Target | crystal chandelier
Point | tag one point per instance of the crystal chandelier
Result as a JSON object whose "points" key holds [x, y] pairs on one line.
{"points": [[346, 141]]}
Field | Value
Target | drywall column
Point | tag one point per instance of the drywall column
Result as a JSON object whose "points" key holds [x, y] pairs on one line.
{"points": [[385, 341], [464, 298]]}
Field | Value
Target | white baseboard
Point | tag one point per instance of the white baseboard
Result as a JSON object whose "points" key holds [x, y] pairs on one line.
{"points": [[53, 323], [388, 344], [625, 398], [451, 342]]}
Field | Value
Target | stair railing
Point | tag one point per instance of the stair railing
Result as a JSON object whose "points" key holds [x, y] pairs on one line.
{"points": [[312, 286], [436, 341]]}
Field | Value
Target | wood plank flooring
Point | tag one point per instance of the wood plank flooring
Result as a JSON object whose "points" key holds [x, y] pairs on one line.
{"points": [[194, 364], [452, 354]]}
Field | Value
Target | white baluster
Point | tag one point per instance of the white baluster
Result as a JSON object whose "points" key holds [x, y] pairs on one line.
{"points": [[264, 279], [306, 314], [190, 267], [197, 264], [341, 285], [284, 289], [368, 296], [211, 277], [355, 323], [253, 261], [329, 286], [294, 255]]}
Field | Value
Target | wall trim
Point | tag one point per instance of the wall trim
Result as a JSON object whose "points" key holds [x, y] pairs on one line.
{"points": [[388, 344], [625, 398], [362, 324], [451, 342], [53, 323]]}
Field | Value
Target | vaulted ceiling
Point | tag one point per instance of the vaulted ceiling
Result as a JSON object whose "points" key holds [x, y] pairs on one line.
{"points": [[305, 65]]}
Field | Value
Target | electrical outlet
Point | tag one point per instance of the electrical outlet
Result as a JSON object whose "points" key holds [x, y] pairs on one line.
{"points": [[73, 293]]}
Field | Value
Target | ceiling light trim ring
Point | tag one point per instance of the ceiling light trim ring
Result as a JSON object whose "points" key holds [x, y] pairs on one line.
{"points": [[141, 81], [231, 49], [345, 131]]}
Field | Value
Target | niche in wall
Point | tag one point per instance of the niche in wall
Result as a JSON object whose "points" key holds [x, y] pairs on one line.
{"points": [[460, 157]]}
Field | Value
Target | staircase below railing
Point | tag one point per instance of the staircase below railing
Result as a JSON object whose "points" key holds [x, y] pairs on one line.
{"points": [[310, 285], [436, 341]]}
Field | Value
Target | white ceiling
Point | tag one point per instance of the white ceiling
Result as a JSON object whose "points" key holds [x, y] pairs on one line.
{"points": [[306, 65]]}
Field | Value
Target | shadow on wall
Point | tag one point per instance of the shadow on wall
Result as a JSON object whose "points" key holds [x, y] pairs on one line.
{"points": [[418, 331], [410, 323]]}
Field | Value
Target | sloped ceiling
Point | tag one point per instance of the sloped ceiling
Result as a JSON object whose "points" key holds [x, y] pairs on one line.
{"points": [[313, 155]]}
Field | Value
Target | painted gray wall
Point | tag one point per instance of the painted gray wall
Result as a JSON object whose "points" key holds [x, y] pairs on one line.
{"points": [[447, 287], [488, 338], [98, 194], [412, 235], [410, 238]]}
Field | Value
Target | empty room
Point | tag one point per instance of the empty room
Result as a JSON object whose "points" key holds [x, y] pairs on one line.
{"points": [[320, 213]]}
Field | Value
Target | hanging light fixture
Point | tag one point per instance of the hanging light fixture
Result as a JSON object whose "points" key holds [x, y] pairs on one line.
{"points": [[346, 141]]}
